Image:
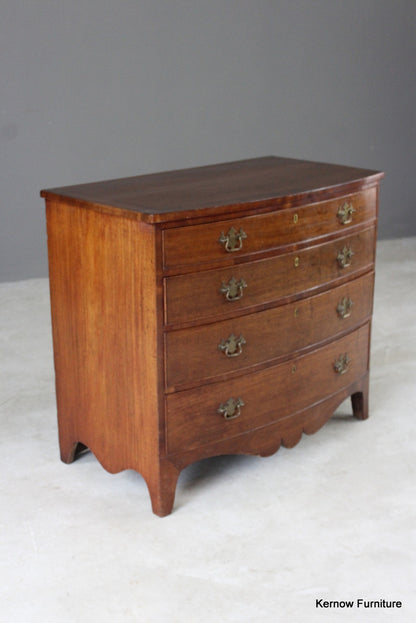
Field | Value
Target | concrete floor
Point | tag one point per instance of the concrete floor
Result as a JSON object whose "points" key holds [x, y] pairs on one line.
{"points": [[250, 539]]}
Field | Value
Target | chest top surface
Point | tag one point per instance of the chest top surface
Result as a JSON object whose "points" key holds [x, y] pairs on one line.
{"points": [[212, 190]]}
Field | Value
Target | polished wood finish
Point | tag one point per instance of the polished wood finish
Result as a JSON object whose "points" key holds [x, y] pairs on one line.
{"points": [[192, 355], [105, 313], [230, 188], [270, 395], [197, 296], [136, 272], [265, 232], [286, 432]]}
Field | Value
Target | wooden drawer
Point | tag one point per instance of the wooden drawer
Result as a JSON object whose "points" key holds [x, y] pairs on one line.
{"points": [[198, 296], [275, 393], [194, 354], [197, 244]]}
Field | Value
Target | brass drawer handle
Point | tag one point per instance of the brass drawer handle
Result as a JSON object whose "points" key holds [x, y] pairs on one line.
{"points": [[233, 346], [344, 257], [345, 213], [233, 240], [231, 409], [341, 365], [344, 307], [233, 290]]}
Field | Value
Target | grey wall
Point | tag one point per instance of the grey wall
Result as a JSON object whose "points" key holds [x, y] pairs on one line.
{"points": [[92, 89]]}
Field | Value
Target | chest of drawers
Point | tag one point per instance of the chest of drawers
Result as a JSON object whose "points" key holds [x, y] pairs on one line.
{"points": [[216, 310]]}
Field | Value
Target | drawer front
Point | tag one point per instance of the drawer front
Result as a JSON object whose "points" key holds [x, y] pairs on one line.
{"points": [[208, 351], [197, 417], [222, 292], [197, 244]]}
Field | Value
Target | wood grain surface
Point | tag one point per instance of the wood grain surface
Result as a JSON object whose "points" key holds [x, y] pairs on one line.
{"points": [[199, 244], [192, 355], [268, 395], [230, 187], [137, 281], [197, 296]]}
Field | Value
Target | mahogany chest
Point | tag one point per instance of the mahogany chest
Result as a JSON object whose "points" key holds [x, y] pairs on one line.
{"points": [[216, 310]]}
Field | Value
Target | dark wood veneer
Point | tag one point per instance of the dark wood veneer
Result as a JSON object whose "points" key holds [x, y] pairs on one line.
{"points": [[265, 232], [216, 189], [268, 395], [192, 355], [197, 296]]}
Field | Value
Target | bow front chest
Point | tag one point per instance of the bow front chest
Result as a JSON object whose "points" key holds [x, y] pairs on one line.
{"points": [[216, 310]]}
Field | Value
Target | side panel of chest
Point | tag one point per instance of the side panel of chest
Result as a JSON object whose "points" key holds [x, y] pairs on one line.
{"points": [[106, 306]]}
